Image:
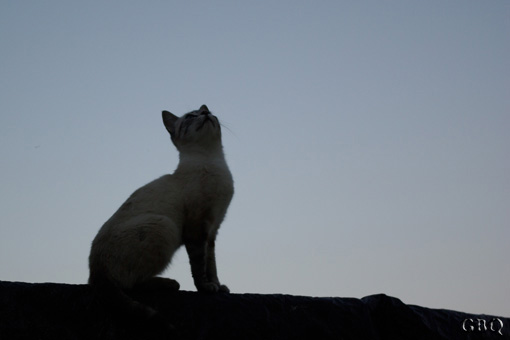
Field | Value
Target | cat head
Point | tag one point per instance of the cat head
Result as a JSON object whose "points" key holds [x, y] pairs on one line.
{"points": [[199, 128]]}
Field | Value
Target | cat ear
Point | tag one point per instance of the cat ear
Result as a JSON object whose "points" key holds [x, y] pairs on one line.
{"points": [[169, 120]]}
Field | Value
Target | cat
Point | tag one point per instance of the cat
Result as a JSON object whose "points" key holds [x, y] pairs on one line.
{"points": [[186, 208]]}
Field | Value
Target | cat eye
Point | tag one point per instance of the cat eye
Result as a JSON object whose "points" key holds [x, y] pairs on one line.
{"points": [[190, 116]]}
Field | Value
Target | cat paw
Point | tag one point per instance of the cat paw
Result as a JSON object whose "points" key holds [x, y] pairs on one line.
{"points": [[159, 283], [208, 287], [223, 289], [172, 284], [212, 287]]}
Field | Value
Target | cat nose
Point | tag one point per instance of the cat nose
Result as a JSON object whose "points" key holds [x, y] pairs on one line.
{"points": [[204, 110]]}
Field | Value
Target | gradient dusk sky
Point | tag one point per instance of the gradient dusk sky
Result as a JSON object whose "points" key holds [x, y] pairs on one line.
{"points": [[369, 140]]}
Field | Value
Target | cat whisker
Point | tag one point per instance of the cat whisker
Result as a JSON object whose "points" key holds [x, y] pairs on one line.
{"points": [[229, 129]]}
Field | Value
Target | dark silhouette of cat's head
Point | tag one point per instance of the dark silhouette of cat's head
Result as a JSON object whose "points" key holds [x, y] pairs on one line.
{"points": [[198, 129]]}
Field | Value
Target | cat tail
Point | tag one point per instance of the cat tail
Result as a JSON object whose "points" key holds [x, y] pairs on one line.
{"points": [[124, 307]]}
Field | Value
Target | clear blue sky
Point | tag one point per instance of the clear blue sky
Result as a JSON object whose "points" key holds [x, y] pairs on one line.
{"points": [[369, 140]]}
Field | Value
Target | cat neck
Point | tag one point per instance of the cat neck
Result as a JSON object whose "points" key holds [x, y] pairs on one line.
{"points": [[199, 157]]}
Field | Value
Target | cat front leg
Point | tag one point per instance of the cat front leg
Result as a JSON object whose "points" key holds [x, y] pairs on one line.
{"points": [[197, 258], [210, 268]]}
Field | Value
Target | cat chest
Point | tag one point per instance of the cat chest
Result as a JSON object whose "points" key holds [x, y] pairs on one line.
{"points": [[209, 188], [206, 202]]}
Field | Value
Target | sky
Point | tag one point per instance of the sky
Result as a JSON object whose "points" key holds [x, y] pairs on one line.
{"points": [[368, 140]]}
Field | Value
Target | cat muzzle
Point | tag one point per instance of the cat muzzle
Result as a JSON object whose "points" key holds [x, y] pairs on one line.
{"points": [[207, 118]]}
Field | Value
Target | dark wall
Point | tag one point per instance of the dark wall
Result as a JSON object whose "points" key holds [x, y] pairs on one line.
{"points": [[60, 311]]}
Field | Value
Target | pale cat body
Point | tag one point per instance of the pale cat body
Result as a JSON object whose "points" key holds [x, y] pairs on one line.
{"points": [[186, 208]]}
